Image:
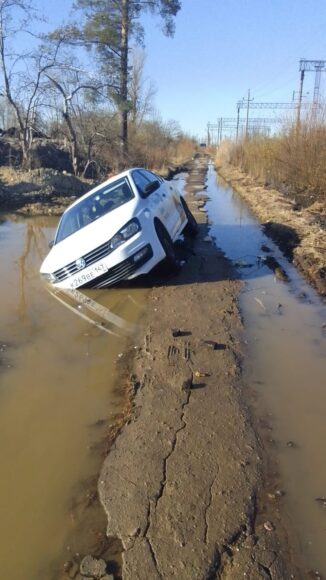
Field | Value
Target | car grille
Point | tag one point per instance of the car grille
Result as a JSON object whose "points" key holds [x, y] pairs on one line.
{"points": [[120, 272], [90, 258]]}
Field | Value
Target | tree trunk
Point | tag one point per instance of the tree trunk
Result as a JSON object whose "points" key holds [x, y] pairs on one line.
{"points": [[72, 139], [124, 76]]}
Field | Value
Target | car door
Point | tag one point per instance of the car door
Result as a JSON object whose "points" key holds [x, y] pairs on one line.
{"points": [[163, 201]]}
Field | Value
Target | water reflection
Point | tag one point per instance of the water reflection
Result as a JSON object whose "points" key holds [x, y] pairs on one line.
{"points": [[286, 364], [57, 377], [100, 315], [33, 245]]}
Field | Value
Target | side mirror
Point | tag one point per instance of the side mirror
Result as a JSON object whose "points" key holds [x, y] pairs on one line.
{"points": [[151, 187], [51, 244]]}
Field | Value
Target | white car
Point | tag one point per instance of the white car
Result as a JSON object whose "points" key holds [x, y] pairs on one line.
{"points": [[117, 231]]}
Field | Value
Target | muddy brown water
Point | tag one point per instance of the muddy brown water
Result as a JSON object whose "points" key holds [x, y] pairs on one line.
{"points": [[58, 395], [285, 365]]}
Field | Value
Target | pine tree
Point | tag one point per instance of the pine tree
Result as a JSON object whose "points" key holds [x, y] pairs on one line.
{"points": [[108, 29]]}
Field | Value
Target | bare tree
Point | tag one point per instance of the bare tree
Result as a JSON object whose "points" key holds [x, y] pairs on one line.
{"points": [[141, 89], [77, 89], [108, 28], [21, 73], [25, 75]]}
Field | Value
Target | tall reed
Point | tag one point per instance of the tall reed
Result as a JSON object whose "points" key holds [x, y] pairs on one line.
{"points": [[293, 161]]}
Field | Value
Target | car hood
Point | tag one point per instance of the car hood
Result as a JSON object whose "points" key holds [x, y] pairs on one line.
{"points": [[88, 238]]}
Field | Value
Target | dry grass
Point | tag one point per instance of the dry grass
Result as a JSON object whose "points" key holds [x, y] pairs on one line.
{"points": [[224, 153], [294, 162], [154, 147]]}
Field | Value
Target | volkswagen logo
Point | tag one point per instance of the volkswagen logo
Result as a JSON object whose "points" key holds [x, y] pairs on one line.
{"points": [[80, 263]]}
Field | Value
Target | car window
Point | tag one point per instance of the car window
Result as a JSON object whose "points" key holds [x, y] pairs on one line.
{"points": [[140, 181], [151, 176], [104, 200], [142, 177]]}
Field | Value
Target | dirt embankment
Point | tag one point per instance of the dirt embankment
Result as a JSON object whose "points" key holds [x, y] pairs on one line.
{"points": [[300, 233], [46, 191], [39, 191], [181, 483]]}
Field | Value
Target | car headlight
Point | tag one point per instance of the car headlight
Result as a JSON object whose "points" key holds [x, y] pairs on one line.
{"points": [[48, 277], [128, 231]]}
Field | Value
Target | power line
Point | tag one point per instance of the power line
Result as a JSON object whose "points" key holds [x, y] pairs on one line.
{"points": [[230, 126], [317, 66], [253, 105], [225, 124]]}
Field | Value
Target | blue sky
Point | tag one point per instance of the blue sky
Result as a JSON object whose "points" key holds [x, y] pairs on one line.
{"points": [[221, 48]]}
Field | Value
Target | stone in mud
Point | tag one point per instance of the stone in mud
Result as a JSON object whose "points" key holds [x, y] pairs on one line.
{"points": [[274, 265], [213, 345], [177, 332], [269, 526], [321, 501], [280, 274], [314, 574], [91, 567], [70, 568], [276, 494]]}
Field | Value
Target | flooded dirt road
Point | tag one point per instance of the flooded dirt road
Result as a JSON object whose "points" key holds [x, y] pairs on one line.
{"points": [[285, 364], [180, 484], [58, 393]]}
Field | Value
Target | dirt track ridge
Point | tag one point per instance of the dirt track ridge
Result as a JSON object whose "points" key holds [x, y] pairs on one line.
{"points": [[180, 483]]}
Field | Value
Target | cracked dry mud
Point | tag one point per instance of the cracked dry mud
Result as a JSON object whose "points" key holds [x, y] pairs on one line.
{"points": [[181, 481]]}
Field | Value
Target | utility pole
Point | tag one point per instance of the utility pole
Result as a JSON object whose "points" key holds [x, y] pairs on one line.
{"points": [[249, 100], [319, 68], [219, 131], [316, 66], [208, 135], [247, 118], [238, 121], [300, 97]]}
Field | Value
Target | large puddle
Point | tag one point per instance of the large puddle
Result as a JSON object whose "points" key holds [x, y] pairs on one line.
{"points": [[58, 394], [286, 366]]}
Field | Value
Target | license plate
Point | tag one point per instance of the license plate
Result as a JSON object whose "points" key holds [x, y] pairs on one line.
{"points": [[92, 273]]}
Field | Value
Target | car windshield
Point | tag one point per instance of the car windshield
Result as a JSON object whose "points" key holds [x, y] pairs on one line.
{"points": [[102, 201]]}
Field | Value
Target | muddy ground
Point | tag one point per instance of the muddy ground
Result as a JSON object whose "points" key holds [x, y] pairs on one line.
{"points": [[300, 232], [183, 482]]}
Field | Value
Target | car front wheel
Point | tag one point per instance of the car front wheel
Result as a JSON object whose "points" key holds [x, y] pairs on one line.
{"points": [[167, 244]]}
